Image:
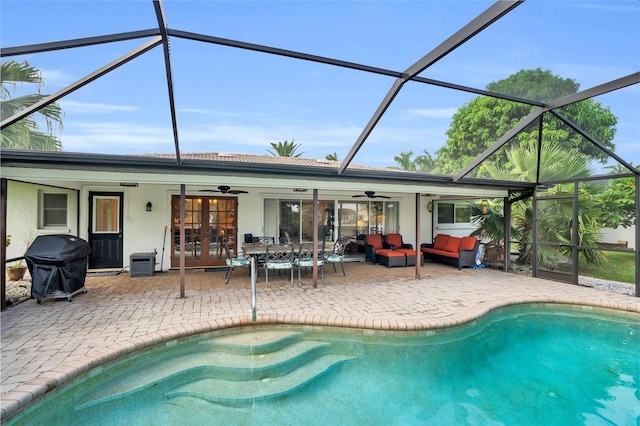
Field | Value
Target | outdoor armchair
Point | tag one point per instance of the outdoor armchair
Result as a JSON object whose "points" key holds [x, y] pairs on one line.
{"points": [[395, 242], [374, 246]]}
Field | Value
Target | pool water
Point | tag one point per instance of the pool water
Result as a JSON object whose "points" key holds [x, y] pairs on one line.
{"points": [[516, 366]]}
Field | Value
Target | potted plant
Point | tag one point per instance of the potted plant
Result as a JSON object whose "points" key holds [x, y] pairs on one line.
{"points": [[16, 271]]}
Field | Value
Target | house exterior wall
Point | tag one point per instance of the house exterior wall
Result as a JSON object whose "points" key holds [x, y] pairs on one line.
{"points": [[144, 231], [613, 236], [23, 204]]}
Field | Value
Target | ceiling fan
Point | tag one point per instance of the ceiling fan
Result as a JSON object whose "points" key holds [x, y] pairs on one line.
{"points": [[370, 194], [225, 190]]}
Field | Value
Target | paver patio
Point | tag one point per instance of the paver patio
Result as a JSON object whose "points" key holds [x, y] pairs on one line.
{"points": [[44, 346]]}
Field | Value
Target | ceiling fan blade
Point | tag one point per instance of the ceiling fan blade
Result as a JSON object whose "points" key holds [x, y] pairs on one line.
{"points": [[237, 191], [369, 194], [208, 190]]}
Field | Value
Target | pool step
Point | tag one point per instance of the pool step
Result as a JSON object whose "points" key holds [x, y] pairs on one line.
{"points": [[247, 358], [237, 392], [253, 342]]}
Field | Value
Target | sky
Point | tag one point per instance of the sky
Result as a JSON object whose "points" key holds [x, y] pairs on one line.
{"points": [[237, 101]]}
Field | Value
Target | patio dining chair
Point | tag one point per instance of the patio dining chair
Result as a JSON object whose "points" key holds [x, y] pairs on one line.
{"points": [[233, 262], [337, 255], [304, 259], [265, 242], [278, 258]]}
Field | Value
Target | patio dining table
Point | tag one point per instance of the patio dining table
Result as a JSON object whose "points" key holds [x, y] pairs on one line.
{"points": [[256, 249]]}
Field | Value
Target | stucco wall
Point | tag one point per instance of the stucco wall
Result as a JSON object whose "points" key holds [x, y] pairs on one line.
{"points": [[22, 215], [144, 231], [609, 235]]}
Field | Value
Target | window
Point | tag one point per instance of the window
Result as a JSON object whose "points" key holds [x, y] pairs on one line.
{"points": [[454, 213], [292, 219], [53, 213], [367, 217]]}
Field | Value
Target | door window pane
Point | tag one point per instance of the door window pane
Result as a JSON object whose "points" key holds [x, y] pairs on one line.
{"points": [[106, 214]]}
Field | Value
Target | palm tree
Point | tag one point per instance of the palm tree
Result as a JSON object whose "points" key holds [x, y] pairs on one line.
{"points": [[422, 163], [285, 149], [332, 157], [25, 134], [405, 162], [554, 223]]}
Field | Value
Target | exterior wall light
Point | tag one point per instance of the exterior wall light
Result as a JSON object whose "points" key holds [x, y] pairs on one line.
{"points": [[484, 206], [149, 205], [430, 206]]}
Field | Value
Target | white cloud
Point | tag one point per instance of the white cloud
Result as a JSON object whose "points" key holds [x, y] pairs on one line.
{"points": [[116, 138], [433, 112], [78, 107], [55, 78]]}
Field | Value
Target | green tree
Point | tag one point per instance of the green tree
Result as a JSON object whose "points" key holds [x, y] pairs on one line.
{"points": [[617, 205], [481, 122], [285, 149], [422, 163], [26, 134], [332, 157]]}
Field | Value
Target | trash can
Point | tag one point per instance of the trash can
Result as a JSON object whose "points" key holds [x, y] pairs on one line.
{"points": [[58, 266]]}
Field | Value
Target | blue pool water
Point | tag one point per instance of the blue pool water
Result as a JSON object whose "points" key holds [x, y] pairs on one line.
{"points": [[516, 366]]}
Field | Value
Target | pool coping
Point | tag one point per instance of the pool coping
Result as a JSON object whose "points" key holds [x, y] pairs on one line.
{"points": [[17, 400]]}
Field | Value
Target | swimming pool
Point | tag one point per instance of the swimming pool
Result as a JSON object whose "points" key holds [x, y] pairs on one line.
{"points": [[521, 365]]}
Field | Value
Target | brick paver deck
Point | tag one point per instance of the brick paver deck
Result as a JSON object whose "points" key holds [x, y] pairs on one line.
{"points": [[44, 346]]}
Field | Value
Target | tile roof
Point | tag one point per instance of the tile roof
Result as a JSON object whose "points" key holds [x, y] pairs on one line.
{"points": [[264, 159]]}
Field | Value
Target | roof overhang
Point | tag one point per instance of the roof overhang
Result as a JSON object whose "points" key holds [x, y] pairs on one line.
{"points": [[40, 165]]}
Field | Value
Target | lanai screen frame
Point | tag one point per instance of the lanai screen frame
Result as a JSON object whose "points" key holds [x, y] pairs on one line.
{"points": [[161, 35]]}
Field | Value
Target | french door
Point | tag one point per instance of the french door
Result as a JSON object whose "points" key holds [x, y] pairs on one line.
{"points": [[208, 222]]}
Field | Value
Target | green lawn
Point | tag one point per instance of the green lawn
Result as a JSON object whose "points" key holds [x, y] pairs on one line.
{"points": [[618, 267]]}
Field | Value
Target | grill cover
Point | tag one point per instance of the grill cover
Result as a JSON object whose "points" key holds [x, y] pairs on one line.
{"points": [[57, 263]]}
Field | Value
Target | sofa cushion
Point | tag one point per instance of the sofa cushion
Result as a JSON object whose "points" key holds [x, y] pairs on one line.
{"points": [[374, 240], [468, 243], [453, 244], [440, 241], [451, 254]]}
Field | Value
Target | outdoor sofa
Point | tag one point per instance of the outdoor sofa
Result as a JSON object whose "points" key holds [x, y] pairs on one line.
{"points": [[455, 251]]}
